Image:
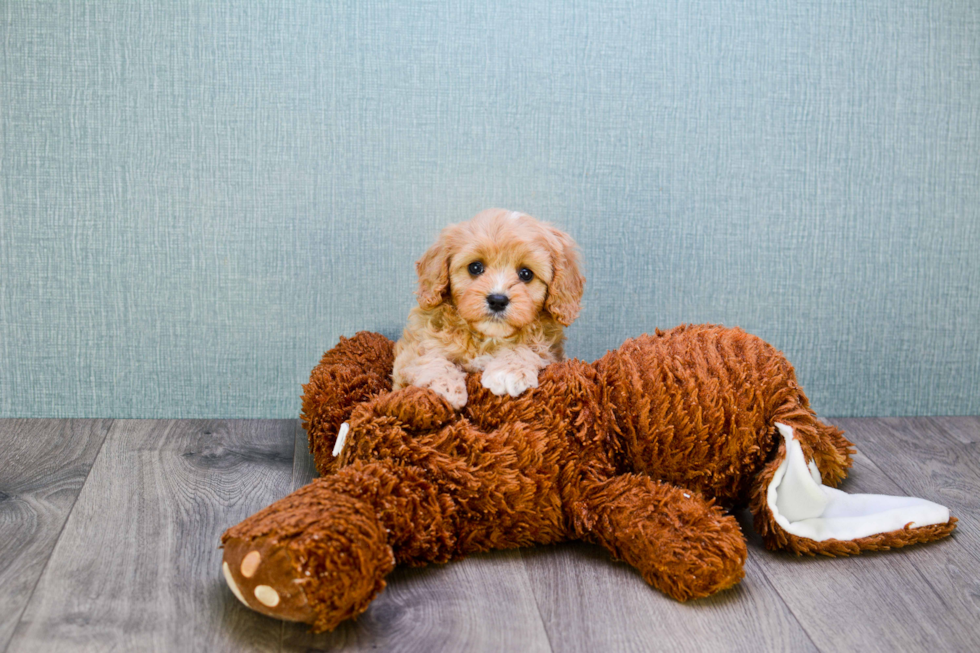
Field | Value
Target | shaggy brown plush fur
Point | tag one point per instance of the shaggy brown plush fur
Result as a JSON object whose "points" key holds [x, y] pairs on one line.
{"points": [[642, 451]]}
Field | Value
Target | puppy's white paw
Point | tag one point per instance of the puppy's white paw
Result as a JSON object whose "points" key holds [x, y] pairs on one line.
{"points": [[503, 381], [452, 390]]}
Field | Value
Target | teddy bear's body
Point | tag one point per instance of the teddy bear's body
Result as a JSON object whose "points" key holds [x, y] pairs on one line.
{"points": [[642, 451]]}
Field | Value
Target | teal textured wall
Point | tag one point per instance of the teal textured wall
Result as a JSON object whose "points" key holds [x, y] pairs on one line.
{"points": [[198, 198]]}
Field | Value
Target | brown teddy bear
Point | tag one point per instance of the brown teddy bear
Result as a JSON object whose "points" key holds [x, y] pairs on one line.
{"points": [[643, 451]]}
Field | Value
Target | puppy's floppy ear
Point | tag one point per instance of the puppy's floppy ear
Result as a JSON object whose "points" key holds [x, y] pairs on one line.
{"points": [[565, 291], [433, 271]]}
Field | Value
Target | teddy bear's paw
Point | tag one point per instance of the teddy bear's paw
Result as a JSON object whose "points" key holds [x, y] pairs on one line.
{"points": [[318, 555], [260, 575], [509, 381]]}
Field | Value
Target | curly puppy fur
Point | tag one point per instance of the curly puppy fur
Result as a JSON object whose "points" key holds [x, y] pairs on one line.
{"points": [[494, 294]]}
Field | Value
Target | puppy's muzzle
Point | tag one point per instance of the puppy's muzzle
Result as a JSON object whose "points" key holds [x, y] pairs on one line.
{"points": [[497, 302]]}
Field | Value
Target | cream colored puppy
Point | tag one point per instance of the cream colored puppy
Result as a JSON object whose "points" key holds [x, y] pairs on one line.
{"points": [[494, 294]]}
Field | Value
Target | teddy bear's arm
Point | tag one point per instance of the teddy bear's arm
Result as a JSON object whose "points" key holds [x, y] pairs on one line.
{"points": [[682, 544], [354, 371]]}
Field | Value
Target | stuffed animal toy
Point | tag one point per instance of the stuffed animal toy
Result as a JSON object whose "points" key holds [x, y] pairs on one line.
{"points": [[645, 452]]}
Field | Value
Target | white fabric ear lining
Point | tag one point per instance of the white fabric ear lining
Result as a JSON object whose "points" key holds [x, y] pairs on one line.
{"points": [[804, 507]]}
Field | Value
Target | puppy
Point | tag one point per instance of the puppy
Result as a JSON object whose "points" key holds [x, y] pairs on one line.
{"points": [[494, 294]]}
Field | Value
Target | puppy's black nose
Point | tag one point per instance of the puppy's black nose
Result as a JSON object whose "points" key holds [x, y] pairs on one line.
{"points": [[497, 303]]}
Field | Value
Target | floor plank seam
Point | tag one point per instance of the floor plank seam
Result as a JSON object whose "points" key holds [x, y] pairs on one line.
{"points": [[297, 427], [537, 606], [44, 569], [789, 608], [295, 474], [884, 469]]}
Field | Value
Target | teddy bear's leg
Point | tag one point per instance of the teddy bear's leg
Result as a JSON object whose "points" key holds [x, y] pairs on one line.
{"points": [[683, 544], [355, 370], [795, 510], [317, 556], [320, 554]]}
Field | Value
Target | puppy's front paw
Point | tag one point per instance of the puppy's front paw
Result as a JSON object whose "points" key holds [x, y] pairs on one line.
{"points": [[452, 390], [503, 381]]}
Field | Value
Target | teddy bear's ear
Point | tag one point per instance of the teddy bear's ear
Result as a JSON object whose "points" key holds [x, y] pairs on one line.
{"points": [[794, 510], [565, 291], [433, 271]]}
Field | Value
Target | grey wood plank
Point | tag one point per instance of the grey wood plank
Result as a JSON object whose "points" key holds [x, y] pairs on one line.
{"points": [[45, 463], [591, 603], [138, 566], [964, 429], [482, 603], [914, 599]]}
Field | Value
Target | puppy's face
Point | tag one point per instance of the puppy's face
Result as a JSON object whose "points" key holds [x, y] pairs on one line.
{"points": [[502, 270], [499, 281]]}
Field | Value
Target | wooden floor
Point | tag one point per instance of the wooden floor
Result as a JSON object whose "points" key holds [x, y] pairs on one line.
{"points": [[109, 533]]}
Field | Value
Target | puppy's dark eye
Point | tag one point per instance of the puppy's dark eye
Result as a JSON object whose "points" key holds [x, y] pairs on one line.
{"points": [[525, 275], [476, 268]]}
